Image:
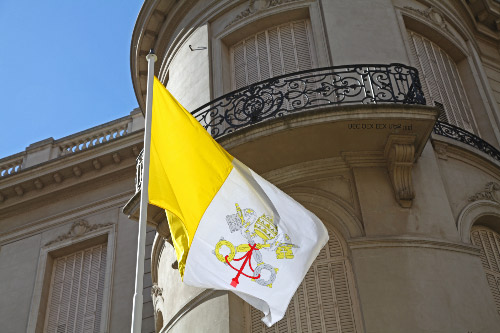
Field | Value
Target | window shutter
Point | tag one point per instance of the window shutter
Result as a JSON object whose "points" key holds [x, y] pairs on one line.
{"points": [[325, 300], [489, 242], [240, 74], [302, 45], [273, 52], [274, 48], [76, 292], [440, 81]]}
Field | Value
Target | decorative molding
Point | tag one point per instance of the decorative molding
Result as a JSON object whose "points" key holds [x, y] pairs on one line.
{"points": [[156, 253], [77, 171], [489, 193], [432, 15], [38, 184], [341, 215], [471, 213], [441, 150], [135, 151], [19, 190], [57, 177], [78, 229], [97, 165], [274, 3], [156, 291], [116, 158], [370, 243], [363, 159], [400, 156], [255, 6], [245, 13]]}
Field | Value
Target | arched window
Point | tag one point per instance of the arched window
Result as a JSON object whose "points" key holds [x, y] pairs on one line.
{"points": [[489, 242], [441, 82], [324, 302]]}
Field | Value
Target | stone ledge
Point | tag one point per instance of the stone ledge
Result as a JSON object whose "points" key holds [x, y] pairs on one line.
{"points": [[372, 243]]}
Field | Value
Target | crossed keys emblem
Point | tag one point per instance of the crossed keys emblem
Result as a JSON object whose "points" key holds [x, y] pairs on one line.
{"points": [[261, 234]]}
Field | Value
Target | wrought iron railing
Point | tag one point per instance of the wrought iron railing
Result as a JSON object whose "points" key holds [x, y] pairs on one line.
{"points": [[291, 93], [459, 134]]}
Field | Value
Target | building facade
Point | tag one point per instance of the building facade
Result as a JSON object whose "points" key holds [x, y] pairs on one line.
{"points": [[381, 117], [323, 99], [67, 252]]}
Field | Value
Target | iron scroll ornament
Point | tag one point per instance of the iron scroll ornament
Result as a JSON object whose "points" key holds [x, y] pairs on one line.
{"points": [[295, 92]]}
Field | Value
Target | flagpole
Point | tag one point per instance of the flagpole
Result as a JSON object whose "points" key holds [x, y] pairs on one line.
{"points": [[143, 212]]}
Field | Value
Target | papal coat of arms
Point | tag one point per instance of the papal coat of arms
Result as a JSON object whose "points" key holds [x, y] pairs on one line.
{"points": [[262, 239]]}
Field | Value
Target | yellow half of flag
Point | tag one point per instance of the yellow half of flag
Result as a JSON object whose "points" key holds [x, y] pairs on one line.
{"points": [[184, 159]]}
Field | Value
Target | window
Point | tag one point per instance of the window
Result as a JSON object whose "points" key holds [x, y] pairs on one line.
{"points": [[76, 291], [324, 302], [441, 82], [489, 242], [273, 52]]}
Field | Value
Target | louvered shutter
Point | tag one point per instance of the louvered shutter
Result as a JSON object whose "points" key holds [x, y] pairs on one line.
{"points": [[324, 302], [489, 242], [276, 51], [441, 82], [76, 292]]}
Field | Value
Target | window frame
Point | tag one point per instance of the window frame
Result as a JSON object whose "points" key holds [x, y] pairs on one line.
{"points": [[48, 253], [487, 257], [223, 37], [455, 39]]}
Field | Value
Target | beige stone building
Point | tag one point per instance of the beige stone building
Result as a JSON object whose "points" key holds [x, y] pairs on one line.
{"points": [[381, 117], [67, 252]]}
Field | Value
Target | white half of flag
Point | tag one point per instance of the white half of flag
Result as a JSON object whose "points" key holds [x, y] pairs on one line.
{"points": [[247, 212]]}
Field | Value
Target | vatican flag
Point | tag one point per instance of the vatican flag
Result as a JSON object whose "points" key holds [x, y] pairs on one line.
{"points": [[231, 229]]}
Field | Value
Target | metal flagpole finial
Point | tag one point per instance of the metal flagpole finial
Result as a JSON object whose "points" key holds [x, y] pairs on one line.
{"points": [[151, 55]]}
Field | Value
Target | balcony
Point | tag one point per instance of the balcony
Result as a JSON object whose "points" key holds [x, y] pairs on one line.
{"points": [[336, 90], [316, 88], [332, 87], [395, 110]]}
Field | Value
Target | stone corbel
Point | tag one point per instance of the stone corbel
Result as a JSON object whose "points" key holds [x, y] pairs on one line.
{"points": [[400, 156], [163, 230]]}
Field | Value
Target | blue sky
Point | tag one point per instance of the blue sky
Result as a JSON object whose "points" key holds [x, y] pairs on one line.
{"points": [[64, 67]]}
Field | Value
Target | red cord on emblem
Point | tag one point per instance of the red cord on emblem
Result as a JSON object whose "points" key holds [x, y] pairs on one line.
{"points": [[247, 257]]}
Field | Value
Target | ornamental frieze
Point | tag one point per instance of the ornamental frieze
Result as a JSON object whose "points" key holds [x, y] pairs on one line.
{"points": [[255, 6], [489, 193], [78, 229]]}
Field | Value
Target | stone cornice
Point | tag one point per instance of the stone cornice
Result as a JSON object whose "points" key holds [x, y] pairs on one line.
{"points": [[70, 170], [383, 242], [47, 222], [486, 16]]}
